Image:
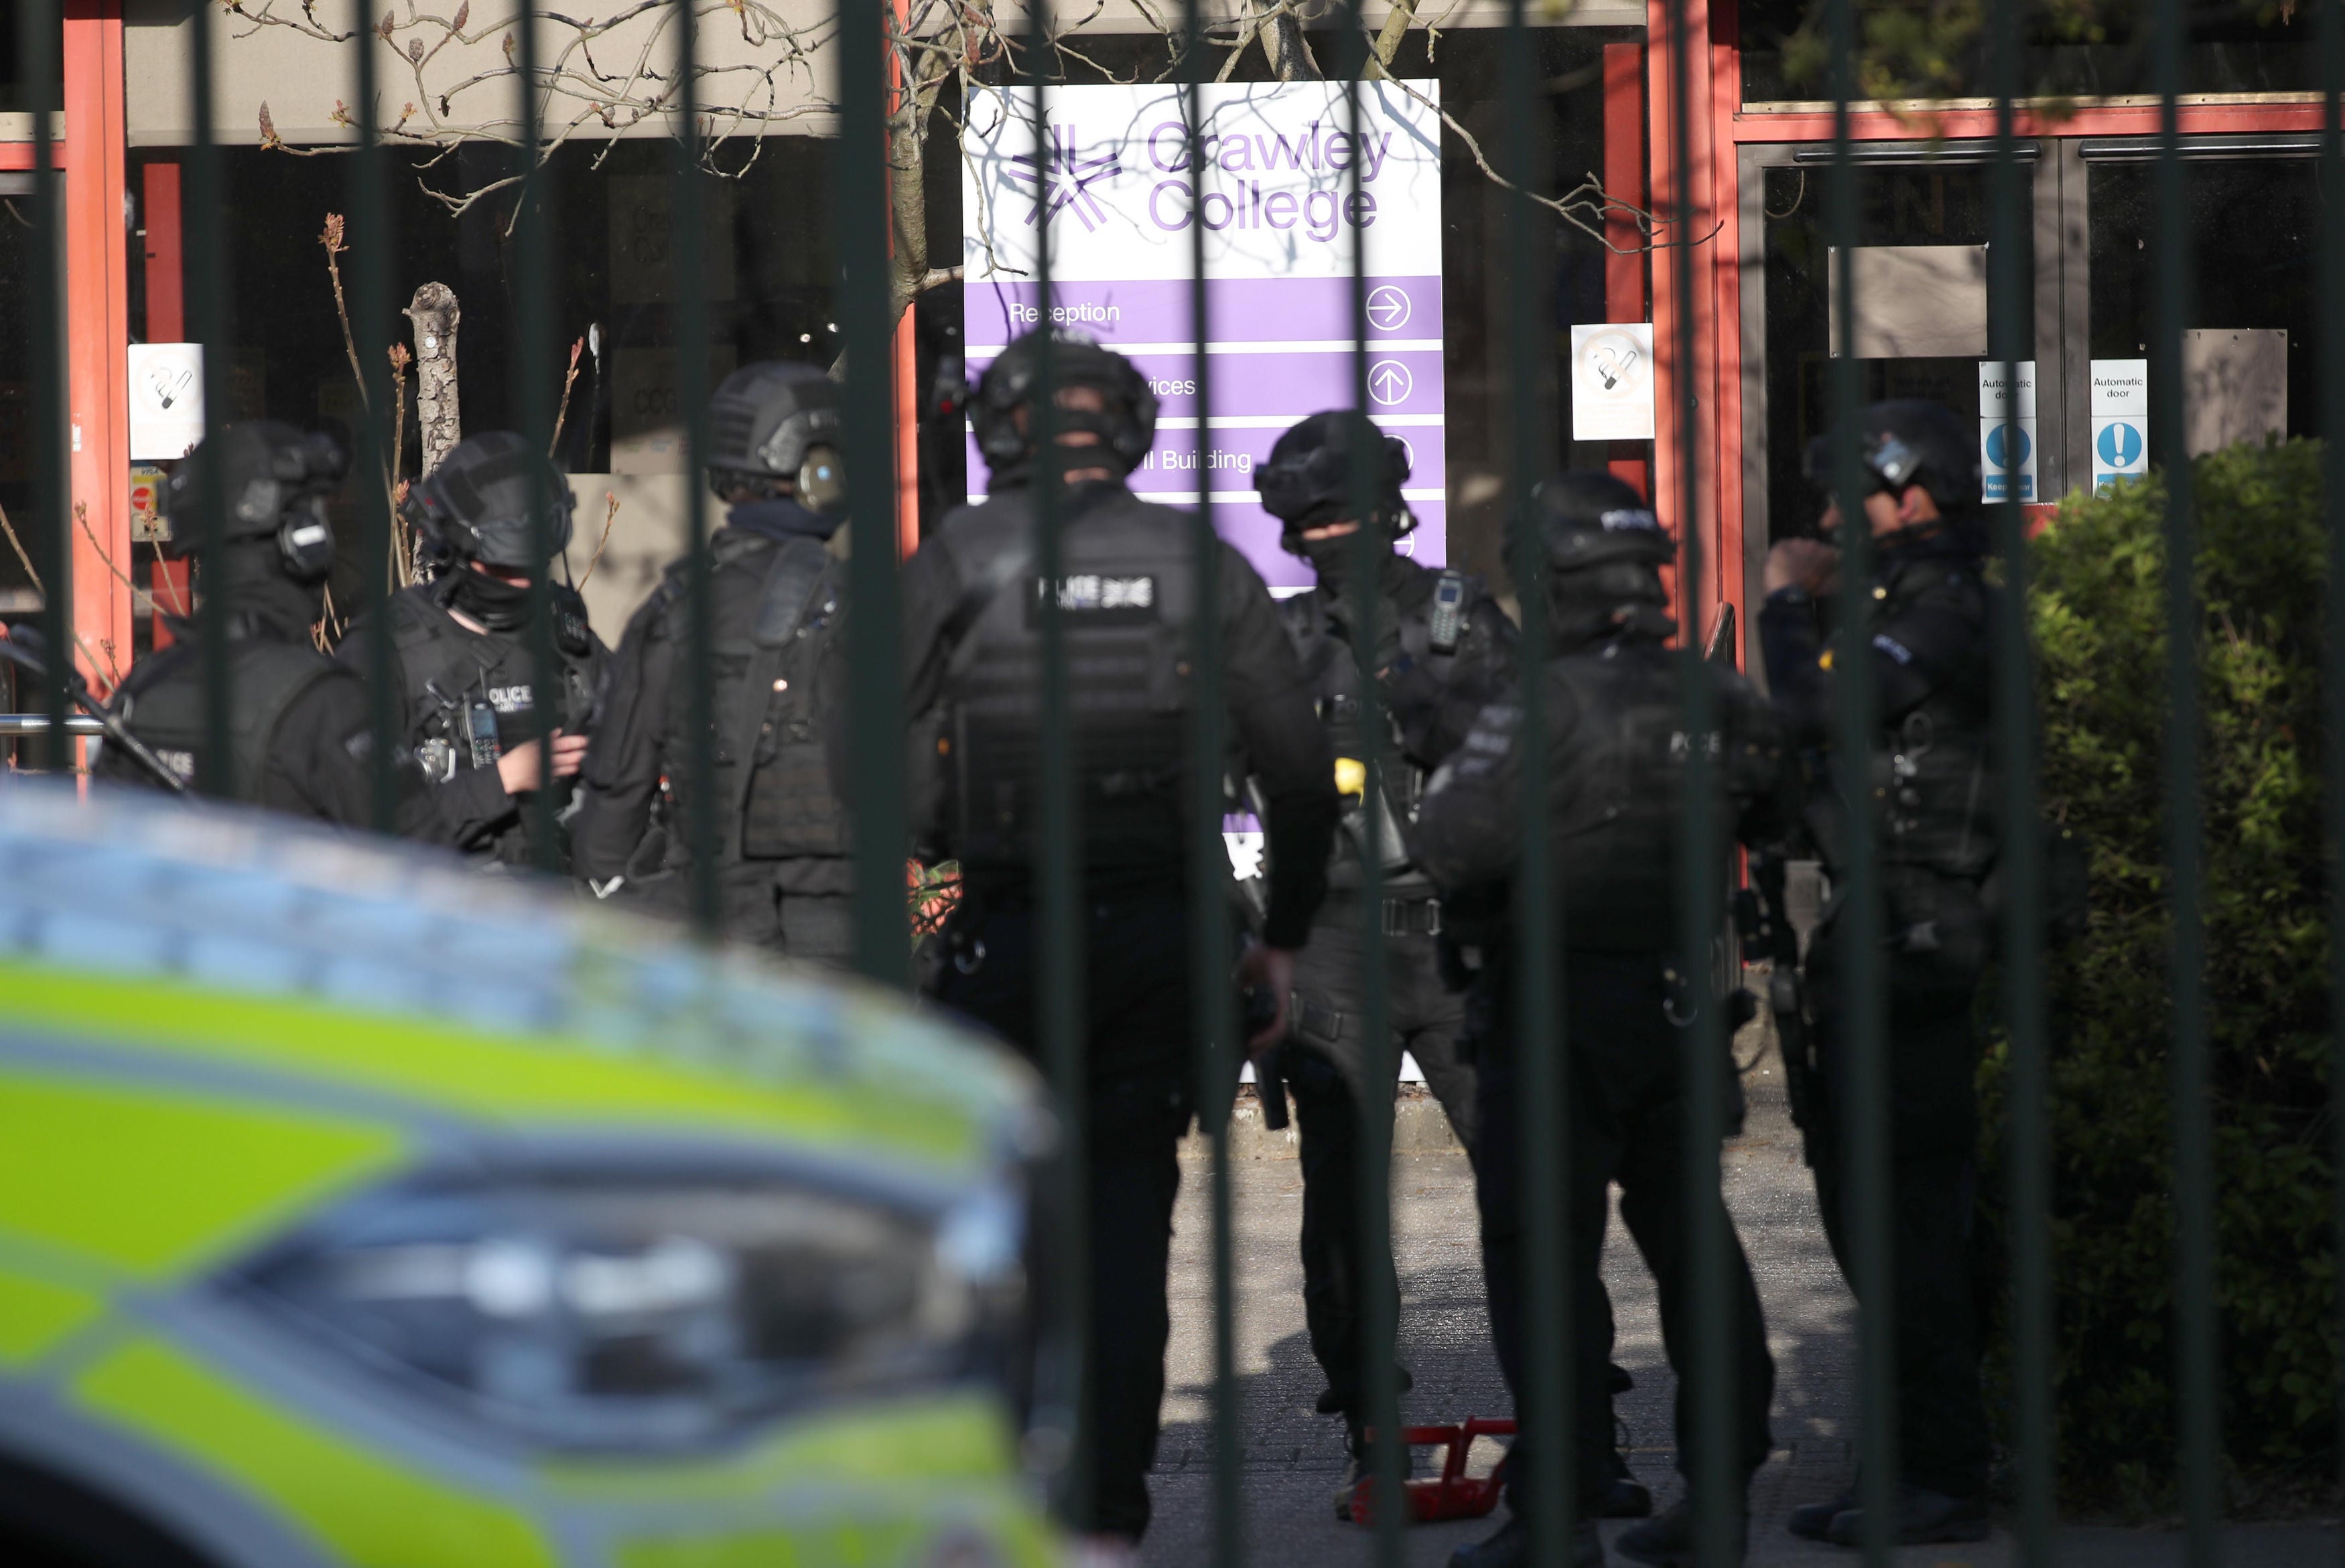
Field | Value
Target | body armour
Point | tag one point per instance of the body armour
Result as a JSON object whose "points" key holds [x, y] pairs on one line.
{"points": [[1617, 750], [1470, 661], [1127, 589], [163, 702], [774, 605], [1932, 768], [470, 696]]}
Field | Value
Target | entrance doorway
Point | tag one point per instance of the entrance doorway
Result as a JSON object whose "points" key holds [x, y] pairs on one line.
{"points": [[2252, 216]]}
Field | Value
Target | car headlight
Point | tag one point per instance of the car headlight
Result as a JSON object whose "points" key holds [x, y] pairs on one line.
{"points": [[602, 1312]]}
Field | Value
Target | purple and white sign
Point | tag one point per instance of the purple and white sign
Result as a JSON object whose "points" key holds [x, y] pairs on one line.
{"points": [[1283, 226]]}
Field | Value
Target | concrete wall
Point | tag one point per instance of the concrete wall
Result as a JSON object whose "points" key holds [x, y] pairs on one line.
{"points": [[647, 533], [300, 73]]}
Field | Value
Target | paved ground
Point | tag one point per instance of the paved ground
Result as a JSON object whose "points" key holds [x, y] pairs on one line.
{"points": [[1293, 1457]]}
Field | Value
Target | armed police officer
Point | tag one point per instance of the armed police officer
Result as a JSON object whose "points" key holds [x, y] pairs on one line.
{"points": [[464, 676], [775, 595], [1615, 749], [1445, 648], [1929, 628], [1127, 589], [299, 725]]}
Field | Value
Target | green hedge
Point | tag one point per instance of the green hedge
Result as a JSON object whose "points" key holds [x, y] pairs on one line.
{"points": [[2098, 612]]}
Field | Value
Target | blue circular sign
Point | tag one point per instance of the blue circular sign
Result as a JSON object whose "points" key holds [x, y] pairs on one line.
{"points": [[2120, 445], [1996, 455]]}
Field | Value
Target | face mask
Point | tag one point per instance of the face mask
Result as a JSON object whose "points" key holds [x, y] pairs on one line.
{"points": [[496, 604]]}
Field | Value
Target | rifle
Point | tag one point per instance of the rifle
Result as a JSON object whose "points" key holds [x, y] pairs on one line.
{"points": [[25, 649], [1765, 923]]}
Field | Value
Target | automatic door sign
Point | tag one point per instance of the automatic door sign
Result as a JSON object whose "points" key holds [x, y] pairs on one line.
{"points": [[1612, 382], [2008, 446], [1116, 186], [167, 399], [2120, 419]]}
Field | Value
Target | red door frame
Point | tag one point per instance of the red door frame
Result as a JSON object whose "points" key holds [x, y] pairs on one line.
{"points": [[97, 329], [1720, 125]]}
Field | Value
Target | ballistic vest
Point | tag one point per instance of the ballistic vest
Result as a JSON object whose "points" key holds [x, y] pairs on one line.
{"points": [[1126, 590], [1933, 769], [1332, 667], [774, 605], [447, 667], [163, 702], [1619, 750]]}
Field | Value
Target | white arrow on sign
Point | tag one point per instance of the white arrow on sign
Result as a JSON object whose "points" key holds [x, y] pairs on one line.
{"points": [[1389, 381], [1388, 307]]}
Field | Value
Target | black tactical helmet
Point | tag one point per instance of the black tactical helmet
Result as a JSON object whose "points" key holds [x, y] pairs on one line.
{"points": [[1905, 443], [1126, 427], [1605, 552], [273, 481], [776, 422], [477, 503], [1307, 480]]}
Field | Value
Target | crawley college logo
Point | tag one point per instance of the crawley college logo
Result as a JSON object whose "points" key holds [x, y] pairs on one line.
{"points": [[1068, 178]]}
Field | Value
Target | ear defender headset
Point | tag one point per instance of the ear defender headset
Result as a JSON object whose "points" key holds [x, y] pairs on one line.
{"points": [[276, 482]]}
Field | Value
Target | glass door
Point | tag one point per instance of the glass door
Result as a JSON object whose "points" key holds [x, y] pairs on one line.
{"points": [[1920, 312]]}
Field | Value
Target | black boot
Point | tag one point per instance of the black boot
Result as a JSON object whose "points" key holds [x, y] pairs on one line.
{"points": [[1511, 1548], [1358, 1467], [1812, 1521], [1671, 1540], [1625, 1497], [1334, 1400], [1923, 1517]]}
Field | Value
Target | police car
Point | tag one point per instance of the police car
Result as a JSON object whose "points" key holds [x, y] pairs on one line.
{"points": [[356, 1208]]}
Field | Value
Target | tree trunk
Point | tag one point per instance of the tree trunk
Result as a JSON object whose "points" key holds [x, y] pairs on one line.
{"points": [[907, 203], [438, 421], [1283, 46]]}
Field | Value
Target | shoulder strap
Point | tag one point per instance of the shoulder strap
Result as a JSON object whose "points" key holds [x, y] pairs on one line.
{"points": [[793, 578]]}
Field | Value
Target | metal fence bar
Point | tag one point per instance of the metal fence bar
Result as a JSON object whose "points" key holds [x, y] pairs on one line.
{"points": [[2029, 1136], [1710, 1462], [688, 279], [1208, 863], [1544, 1405], [1379, 1292], [2194, 1230], [207, 322], [1861, 1122], [2329, 20], [1061, 1001], [37, 43], [533, 337], [370, 238], [874, 620]]}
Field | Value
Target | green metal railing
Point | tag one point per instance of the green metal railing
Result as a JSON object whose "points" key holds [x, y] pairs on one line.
{"points": [[875, 732]]}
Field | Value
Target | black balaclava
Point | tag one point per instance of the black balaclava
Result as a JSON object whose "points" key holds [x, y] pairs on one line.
{"points": [[781, 517], [499, 605], [1307, 482]]}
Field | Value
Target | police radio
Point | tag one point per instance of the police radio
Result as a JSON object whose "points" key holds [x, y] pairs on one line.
{"points": [[1449, 617], [480, 722]]}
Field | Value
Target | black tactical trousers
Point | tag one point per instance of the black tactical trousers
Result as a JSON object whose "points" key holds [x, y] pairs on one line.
{"points": [[1628, 1125], [1934, 1052], [1425, 1018], [762, 911], [1138, 1049]]}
